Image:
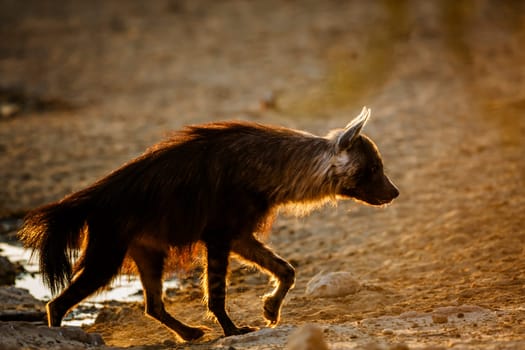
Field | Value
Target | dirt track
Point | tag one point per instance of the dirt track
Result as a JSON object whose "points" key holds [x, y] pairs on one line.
{"points": [[446, 86]]}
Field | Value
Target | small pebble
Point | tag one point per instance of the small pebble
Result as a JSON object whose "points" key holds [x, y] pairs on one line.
{"points": [[400, 346], [388, 331], [437, 318], [8, 110]]}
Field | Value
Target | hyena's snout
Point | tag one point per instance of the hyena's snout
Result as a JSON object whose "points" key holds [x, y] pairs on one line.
{"points": [[389, 190], [377, 191]]}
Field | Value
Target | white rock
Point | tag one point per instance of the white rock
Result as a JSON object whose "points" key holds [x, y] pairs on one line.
{"points": [[332, 284], [307, 337]]}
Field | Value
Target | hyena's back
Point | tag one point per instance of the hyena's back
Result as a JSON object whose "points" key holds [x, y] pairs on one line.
{"points": [[217, 177]]}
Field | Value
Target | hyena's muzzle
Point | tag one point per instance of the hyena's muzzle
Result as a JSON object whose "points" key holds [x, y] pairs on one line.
{"points": [[378, 190]]}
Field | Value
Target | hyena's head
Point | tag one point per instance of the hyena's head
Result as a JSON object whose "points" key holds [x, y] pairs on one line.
{"points": [[357, 166]]}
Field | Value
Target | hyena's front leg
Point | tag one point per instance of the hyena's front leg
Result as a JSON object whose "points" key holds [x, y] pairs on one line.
{"points": [[216, 269], [249, 248]]}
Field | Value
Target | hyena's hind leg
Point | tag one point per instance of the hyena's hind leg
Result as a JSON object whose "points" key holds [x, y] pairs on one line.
{"points": [[250, 249], [216, 269], [150, 263], [99, 263]]}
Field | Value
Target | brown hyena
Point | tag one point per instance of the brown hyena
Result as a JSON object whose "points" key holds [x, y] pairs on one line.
{"points": [[217, 185]]}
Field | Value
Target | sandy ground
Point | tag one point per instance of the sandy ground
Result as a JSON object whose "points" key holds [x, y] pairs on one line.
{"points": [[443, 267]]}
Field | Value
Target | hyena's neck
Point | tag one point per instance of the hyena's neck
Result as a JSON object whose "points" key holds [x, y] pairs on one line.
{"points": [[307, 178]]}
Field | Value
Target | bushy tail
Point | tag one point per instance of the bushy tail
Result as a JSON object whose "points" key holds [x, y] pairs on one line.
{"points": [[55, 231]]}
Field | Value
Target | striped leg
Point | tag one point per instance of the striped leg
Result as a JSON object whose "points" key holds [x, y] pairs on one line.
{"points": [[150, 264], [217, 266]]}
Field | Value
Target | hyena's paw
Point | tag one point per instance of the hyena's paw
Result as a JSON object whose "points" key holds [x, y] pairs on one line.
{"points": [[54, 315], [271, 310], [193, 333], [240, 330]]}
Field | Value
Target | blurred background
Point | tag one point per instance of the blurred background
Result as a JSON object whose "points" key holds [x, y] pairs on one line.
{"points": [[87, 85]]}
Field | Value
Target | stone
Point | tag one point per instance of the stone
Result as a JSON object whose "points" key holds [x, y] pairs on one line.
{"points": [[332, 284], [8, 272], [307, 337]]}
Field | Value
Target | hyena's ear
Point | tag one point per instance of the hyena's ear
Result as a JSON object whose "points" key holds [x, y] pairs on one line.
{"points": [[353, 129]]}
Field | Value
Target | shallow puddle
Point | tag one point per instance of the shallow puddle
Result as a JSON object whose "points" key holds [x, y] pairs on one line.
{"points": [[124, 289]]}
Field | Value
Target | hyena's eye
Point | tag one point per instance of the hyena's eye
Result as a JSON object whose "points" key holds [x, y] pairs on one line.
{"points": [[377, 168]]}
